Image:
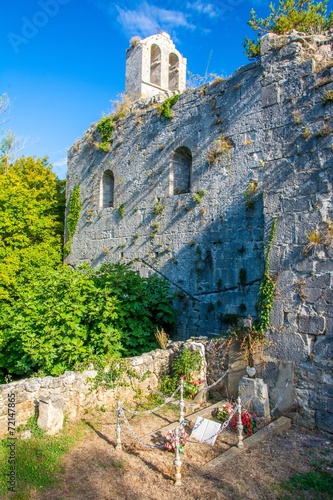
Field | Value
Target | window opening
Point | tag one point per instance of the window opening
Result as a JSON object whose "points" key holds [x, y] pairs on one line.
{"points": [[181, 170], [107, 189], [173, 72], [155, 65]]}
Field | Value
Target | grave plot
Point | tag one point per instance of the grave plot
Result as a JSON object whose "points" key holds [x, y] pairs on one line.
{"points": [[195, 438]]}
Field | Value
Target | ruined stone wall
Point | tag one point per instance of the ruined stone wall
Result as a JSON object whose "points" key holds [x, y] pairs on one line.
{"points": [[278, 163]]}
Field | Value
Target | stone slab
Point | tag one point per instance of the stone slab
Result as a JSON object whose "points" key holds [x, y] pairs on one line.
{"points": [[280, 425]]}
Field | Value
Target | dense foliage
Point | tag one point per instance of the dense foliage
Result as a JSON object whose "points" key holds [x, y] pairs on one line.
{"points": [[306, 16], [105, 127], [61, 317], [32, 204]]}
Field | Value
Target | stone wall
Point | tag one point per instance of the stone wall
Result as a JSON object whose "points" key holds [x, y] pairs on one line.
{"points": [[75, 389], [261, 148]]}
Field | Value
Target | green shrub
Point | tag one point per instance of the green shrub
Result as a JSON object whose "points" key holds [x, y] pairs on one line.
{"points": [[185, 365], [158, 208], [165, 108], [328, 97], [197, 197], [307, 16], [121, 211], [105, 128], [63, 317]]}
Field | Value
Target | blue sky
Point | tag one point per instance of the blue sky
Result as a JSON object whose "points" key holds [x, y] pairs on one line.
{"points": [[63, 61]]}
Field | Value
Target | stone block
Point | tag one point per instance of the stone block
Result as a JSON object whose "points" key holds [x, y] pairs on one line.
{"points": [[32, 385], [277, 317], [323, 352], [324, 420], [50, 414], [254, 396], [312, 325], [329, 327], [328, 296], [321, 281], [312, 294], [282, 393], [236, 369], [270, 95]]}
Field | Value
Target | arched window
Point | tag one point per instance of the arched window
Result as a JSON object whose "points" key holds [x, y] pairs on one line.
{"points": [[173, 72], [107, 190], [180, 175], [155, 65]]}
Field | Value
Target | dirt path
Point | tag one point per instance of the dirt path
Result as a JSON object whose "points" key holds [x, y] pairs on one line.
{"points": [[94, 470]]}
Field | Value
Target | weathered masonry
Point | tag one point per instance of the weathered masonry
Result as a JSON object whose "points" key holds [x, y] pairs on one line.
{"points": [[193, 198]]}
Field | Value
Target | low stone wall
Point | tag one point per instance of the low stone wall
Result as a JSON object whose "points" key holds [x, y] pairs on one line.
{"points": [[75, 389]]}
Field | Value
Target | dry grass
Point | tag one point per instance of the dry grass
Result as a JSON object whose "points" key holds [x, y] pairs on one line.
{"points": [[221, 146], [162, 338], [320, 237]]}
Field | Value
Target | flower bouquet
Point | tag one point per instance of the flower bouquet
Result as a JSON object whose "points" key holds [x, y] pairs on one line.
{"points": [[170, 439], [249, 422], [224, 413], [192, 386]]}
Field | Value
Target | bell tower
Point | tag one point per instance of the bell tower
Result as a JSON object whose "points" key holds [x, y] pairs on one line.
{"points": [[154, 66]]}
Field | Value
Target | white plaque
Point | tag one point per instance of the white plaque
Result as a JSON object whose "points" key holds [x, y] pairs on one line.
{"points": [[205, 430]]}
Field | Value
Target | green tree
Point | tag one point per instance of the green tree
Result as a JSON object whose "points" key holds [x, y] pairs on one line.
{"points": [[31, 220], [307, 16]]}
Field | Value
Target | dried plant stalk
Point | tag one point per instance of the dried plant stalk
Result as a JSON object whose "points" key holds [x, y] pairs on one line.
{"points": [[162, 338]]}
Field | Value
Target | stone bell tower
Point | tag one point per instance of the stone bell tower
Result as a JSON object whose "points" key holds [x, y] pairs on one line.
{"points": [[154, 66]]}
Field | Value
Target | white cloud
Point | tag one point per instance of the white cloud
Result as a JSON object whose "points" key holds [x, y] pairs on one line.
{"points": [[203, 8], [146, 19], [60, 163]]}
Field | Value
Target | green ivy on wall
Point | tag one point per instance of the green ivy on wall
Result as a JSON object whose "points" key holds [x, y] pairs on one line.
{"points": [[74, 212], [267, 287], [253, 338]]}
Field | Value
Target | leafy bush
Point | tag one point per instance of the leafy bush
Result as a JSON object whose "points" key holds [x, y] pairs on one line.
{"points": [[307, 16], [105, 128], [185, 365], [62, 317], [165, 108]]}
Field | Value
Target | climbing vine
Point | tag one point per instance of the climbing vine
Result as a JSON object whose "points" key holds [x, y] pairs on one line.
{"points": [[267, 287], [252, 338], [75, 206]]}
